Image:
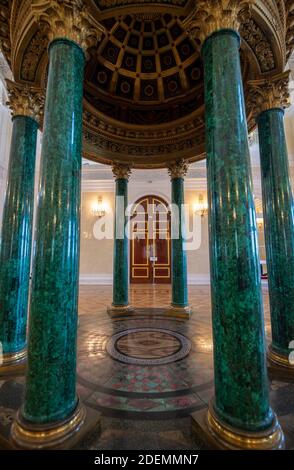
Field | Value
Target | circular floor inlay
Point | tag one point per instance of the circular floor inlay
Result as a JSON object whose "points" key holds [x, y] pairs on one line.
{"points": [[148, 346]]}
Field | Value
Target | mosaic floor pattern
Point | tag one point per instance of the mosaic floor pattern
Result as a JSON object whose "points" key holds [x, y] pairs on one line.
{"points": [[146, 404]]}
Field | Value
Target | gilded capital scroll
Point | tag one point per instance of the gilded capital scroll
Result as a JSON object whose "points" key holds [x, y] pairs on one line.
{"points": [[270, 93], [25, 100], [121, 171], [68, 19], [178, 169], [212, 15]]}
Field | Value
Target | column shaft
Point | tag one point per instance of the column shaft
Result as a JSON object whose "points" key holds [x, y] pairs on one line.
{"points": [[51, 379], [121, 243], [241, 387], [16, 237], [278, 206], [179, 258]]}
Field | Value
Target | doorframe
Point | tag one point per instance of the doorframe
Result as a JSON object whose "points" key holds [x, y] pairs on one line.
{"points": [[167, 203]]}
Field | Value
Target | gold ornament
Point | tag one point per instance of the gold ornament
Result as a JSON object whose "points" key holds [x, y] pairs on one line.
{"points": [[68, 19], [121, 171], [25, 100], [178, 169], [269, 93], [212, 15]]}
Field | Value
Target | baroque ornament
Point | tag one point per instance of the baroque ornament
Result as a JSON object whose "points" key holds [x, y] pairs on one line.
{"points": [[178, 169], [270, 93], [120, 171], [25, 100], [212, 15], [67, 19]]}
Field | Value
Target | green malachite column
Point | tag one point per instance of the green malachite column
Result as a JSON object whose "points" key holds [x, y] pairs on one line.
{"points": [[241, 401], [16, 235], [50, 394], [278, 207], [120, 304], [180, 306]]}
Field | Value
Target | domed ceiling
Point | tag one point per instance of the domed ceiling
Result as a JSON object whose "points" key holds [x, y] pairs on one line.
{"points": [[143, 89], [145, 71]]}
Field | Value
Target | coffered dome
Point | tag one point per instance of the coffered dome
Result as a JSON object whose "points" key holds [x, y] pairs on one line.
{"points": [[143, 89], [146, 70]]}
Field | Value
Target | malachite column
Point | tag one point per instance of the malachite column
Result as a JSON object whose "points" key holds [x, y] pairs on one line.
{"points": [[51, 410], [240, 415], [120, 304], [278, 208], [16, 234], [180, 305]]}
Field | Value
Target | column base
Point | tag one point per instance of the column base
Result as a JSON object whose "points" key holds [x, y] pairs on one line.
{"points": [[119, 310], [215, 434], [279, 365], [175, 311], [62, 435], [13, 363]]}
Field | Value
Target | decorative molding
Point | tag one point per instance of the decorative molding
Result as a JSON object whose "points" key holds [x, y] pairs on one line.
{"points": [[106, 279], [178, 169], [33, 55], [212, 15], [258, 42], [96, 279], [25, 100], [121, 171], [69, 19], [270, 93], [117, 3], [5, 40]]}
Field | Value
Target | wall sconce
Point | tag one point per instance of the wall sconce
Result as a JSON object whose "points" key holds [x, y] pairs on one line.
{"points": [[201, 207], [99, 209]]}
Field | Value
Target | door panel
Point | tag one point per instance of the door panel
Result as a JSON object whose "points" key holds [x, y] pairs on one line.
{"points": [[150, 242]]}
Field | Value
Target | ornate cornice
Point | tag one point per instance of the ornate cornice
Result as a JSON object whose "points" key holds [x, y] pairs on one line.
{"points": [[25, 100], [5, 40], [120, 171], [69, 19], [177, 169], [269, 93], [212, 15]]}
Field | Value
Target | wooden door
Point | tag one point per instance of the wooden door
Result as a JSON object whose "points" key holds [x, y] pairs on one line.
{"points": [[150, 241]]}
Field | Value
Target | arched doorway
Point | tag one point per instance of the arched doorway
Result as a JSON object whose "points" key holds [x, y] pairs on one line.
{"points": [[150, 241]]}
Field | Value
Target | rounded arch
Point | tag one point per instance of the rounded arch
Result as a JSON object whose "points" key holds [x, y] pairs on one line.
{"points": [[150, 241]]}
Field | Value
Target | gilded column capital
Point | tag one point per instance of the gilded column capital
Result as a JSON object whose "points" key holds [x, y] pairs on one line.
{"points": [[265, 94], [212, 15], [24, 100], [178, 169], [68, 19], [121, 171]]}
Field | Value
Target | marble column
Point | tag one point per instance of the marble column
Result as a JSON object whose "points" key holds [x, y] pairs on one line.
{"points": [[52, 413], [17, 226], [180, 306], [120, 304], [239, 415], [278, 206]]}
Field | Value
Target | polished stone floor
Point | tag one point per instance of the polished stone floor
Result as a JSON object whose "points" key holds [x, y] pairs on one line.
{"points": [[147, 373]]}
